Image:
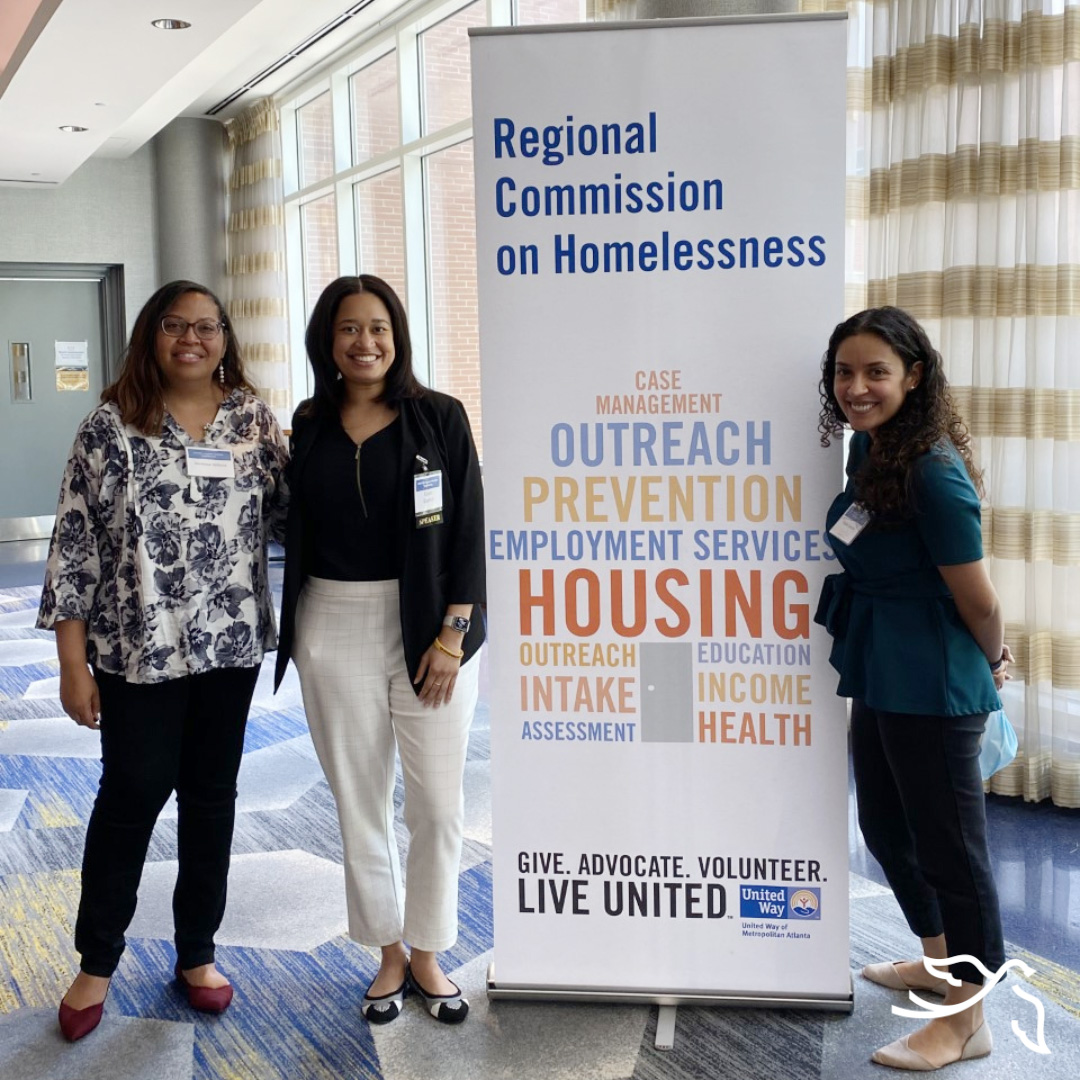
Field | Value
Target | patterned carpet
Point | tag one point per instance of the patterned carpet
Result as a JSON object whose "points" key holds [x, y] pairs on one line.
{"points": [[299, 979]]}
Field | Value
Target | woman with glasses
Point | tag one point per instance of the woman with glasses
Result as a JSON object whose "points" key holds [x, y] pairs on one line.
{"points": [[156, 587], [384, 566]]}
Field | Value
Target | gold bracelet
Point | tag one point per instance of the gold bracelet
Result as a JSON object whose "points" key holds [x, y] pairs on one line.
{"points": [[449, 652]]}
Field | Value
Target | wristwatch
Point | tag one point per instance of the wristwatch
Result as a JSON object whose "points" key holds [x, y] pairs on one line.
{"points": [[458, 623]]}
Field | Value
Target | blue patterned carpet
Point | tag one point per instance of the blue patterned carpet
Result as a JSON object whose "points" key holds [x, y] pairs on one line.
{"points": [[299, 979]]}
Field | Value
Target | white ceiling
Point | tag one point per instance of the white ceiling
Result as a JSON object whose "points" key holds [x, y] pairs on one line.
{"points": [[99, 64]]}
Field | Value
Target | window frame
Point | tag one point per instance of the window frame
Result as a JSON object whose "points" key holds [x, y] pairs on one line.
{"points": [[402, 38]]}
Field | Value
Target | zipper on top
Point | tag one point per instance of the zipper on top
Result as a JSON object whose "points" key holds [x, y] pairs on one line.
{"points": [[359, 486]]}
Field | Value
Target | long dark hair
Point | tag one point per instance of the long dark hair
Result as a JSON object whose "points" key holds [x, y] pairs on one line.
{"points": [[140, 386], [400, 381], [926, 416]]}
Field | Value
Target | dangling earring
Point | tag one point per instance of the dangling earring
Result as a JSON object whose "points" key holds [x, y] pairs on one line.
{"points": [[221, 373]]}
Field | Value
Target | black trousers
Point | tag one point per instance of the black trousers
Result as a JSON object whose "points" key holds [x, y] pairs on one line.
{"points": [[923, 815], [185, 735]]}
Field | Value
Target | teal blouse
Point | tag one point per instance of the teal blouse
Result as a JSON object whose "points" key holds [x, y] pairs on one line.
{"points": [[899, 643]]}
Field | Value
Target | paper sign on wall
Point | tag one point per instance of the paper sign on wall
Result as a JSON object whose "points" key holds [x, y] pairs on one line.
{"points": [[72, 365]]}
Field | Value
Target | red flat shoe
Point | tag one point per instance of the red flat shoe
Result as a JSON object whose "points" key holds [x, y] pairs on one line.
{"points": [[207, 999], [75, 1023]]}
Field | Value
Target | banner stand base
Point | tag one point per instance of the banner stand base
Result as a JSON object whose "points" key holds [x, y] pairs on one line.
{"points": [[665, 1028], [497, 991]]}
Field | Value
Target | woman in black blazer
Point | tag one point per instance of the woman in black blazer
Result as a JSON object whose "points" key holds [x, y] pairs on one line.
{"points": [[384, 569]]}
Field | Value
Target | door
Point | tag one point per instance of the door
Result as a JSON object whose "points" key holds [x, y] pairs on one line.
{"points": [[52, 337]]}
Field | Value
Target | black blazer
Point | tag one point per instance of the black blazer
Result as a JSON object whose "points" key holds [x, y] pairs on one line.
{"points": [[441, 564]]}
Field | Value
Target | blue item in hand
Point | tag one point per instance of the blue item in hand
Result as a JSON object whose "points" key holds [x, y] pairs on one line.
{"points": [[998, 746]]}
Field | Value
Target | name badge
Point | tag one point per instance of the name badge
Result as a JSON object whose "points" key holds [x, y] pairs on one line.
{"points": [[210, 462], [427, 498], [854, 519]]}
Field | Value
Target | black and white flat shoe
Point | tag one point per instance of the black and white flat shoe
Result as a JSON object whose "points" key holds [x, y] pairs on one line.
{"points": [[446, 1008], [385, 1007]]}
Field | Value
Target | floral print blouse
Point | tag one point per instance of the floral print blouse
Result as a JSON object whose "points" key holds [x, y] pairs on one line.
{"points": [[168, 572]]}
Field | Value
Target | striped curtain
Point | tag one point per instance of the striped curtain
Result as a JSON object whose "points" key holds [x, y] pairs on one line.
{"points": [[255, 289], [964, 208], [610, 10]]}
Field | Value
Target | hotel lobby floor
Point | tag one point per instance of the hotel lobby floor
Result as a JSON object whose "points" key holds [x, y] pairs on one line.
{"points": [[299, 979]]}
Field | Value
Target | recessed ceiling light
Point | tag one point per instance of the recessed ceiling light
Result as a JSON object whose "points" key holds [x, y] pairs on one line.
{"points": [[170, 24], [71, 127]]}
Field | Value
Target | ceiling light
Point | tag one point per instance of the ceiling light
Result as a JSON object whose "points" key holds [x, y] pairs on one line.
{"points": [[71, 127], [170, 24]]}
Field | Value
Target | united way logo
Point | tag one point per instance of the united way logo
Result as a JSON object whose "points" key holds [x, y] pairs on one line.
{"points": [[779, 902], [804, 903]]}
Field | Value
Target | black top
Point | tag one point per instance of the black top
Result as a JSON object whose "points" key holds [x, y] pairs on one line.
{"points": [[441, 563], [349, 501]]}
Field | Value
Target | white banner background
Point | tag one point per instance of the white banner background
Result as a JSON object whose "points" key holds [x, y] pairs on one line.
{"points": [[759, 106]]}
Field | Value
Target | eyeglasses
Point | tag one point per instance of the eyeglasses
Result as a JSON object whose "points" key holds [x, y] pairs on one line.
{"points": [[205, 329]]}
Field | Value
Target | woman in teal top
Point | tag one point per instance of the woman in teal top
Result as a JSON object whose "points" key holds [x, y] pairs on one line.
{"points": [[917, 639]]}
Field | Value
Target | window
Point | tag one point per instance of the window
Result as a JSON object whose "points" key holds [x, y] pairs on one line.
{"points": [[446, 88], [451, 244], [376, 121], [383, 182], [319, 230], [380, 240], [315, 141], [533, 12]]}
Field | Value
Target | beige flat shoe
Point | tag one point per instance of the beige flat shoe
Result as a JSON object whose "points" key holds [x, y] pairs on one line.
{"points": [[898, 1055], [888, 975]]}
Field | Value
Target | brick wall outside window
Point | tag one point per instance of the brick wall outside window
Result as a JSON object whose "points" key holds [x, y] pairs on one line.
{"points": [[444, 68], [315, 136], [318, 221], [448, 181], [376, 123], [380, 242], [535, 12]]}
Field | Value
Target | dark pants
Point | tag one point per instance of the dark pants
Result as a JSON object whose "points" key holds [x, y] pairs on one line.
{"points": [[185, 735], [923, 815]]}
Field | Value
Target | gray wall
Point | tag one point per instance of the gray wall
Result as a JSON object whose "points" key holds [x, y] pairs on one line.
{"points": [[105, 212], [190, 156]]}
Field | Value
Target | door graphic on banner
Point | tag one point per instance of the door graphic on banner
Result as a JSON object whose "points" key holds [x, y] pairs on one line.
{"points": [[660, 263], [666, 676]]}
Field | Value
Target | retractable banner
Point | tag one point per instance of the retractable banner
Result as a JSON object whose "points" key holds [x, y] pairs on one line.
{"points": [[660, 243]]}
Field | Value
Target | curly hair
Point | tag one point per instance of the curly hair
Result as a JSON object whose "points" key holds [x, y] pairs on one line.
{"points": [[139, 388], [926, 417]]}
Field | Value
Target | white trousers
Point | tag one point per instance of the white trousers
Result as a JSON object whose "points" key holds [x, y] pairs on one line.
{"points": [[360, 705]]}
